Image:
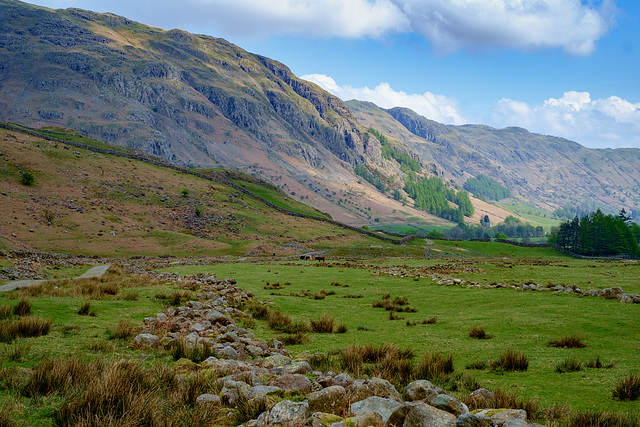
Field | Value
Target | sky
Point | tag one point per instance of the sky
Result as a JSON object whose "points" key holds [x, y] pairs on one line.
{"points": [[567, 68]]}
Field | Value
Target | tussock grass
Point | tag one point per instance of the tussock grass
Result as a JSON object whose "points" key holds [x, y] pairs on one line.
{"points": [[571, 364], [628, 388], [123, 330], [5, 312], [85, 310], [175, 299], [510, 361], [17, 351], [22, 308], [341, 329], [324, 325], [602, 419], [572, 341], [295, 339], [434, 367], [478, 365], [24, 327], [596, 363], [478, 333], [196, 352]]}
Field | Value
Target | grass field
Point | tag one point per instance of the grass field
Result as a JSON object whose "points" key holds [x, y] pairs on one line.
{"points": [[525, 321]]}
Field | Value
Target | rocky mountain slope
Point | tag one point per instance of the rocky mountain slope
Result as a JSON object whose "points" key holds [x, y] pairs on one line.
{"points": [[83, 201], [201, 101], [546, 171], [194, 100]]}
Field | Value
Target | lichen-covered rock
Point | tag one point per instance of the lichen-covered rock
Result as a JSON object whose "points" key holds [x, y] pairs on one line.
{"points": [[284, 413], [208, 399], [332, 400], [361, 389], [473, 420], [421, 415], [449, 404], [421, 390], [293, 382], [501, 416], [368, 419], [146, 340], [481, 398], [384, 407]]}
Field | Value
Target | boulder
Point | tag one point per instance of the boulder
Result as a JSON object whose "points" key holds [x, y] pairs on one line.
{"points": [[501, 416], [332, 400], [612, 293], [322, 419], [449, 404], [379, 405], [421, 390], [361, 389], [473, 420], [208, 399], [368, 419], [227, 352], [421, 415], [284, 413], [214, 316], [276, 361], [481, 398], [298, 367], [146, 340], [293, 382]]}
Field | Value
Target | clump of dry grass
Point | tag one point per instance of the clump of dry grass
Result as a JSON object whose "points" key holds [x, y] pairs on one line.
{"points": [[22, 308], [434, 367], [324, 325], [511, 360], [628, 388], [570, 364], [599, 419], [478, 333], [24, 327], [572, 341], [123, 330]]}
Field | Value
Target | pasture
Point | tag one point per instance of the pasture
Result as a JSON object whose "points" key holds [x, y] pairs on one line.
{"points": [[524, 321]]}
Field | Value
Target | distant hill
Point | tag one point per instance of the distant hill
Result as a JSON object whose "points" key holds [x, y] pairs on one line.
{"points": [[544, 171], [85, 202]]}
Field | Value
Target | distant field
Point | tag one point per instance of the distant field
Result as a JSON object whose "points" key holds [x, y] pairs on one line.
{"points": [[522, 320]]}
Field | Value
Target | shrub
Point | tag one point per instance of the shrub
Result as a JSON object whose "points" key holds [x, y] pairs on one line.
{"points": [[568, 365], [628, 388], [323, 325], [511, 360], [572, 341], [478, 333], [22, 308], [434, 367], [27, 178]]}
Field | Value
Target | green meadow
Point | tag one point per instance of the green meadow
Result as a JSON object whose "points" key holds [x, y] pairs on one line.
{"points": [[521, 320]]}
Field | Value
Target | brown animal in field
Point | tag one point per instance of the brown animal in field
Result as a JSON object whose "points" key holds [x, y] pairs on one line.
{"points": [[320, 258]]}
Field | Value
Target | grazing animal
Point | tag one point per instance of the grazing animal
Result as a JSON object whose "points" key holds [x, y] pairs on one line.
{"points": [[320, 258]]}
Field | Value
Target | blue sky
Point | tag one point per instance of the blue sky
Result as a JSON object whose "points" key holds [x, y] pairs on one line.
{"points": [[567, 68]]}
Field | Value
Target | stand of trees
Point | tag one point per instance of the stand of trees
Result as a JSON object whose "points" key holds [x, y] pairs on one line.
{"points": [[598, 234], [431, 195], [407, 163], [486, 187], [512, 228]]}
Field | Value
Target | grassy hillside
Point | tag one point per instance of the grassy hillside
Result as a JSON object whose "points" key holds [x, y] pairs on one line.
{"points": [[82, 202]]}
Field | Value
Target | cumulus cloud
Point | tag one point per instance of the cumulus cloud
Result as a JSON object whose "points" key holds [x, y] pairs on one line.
{"points": [[453, 24], [599, 123], [449, 25], [435, 107]]}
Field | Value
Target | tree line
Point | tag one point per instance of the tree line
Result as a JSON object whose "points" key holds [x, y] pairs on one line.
{"points": [[433, 196], [485, 187], [598, 234]]}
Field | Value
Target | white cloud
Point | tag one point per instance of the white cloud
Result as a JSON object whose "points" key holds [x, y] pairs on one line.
{"points": [[452, 24], [599, 123], [440, 108], [449, 25]]}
